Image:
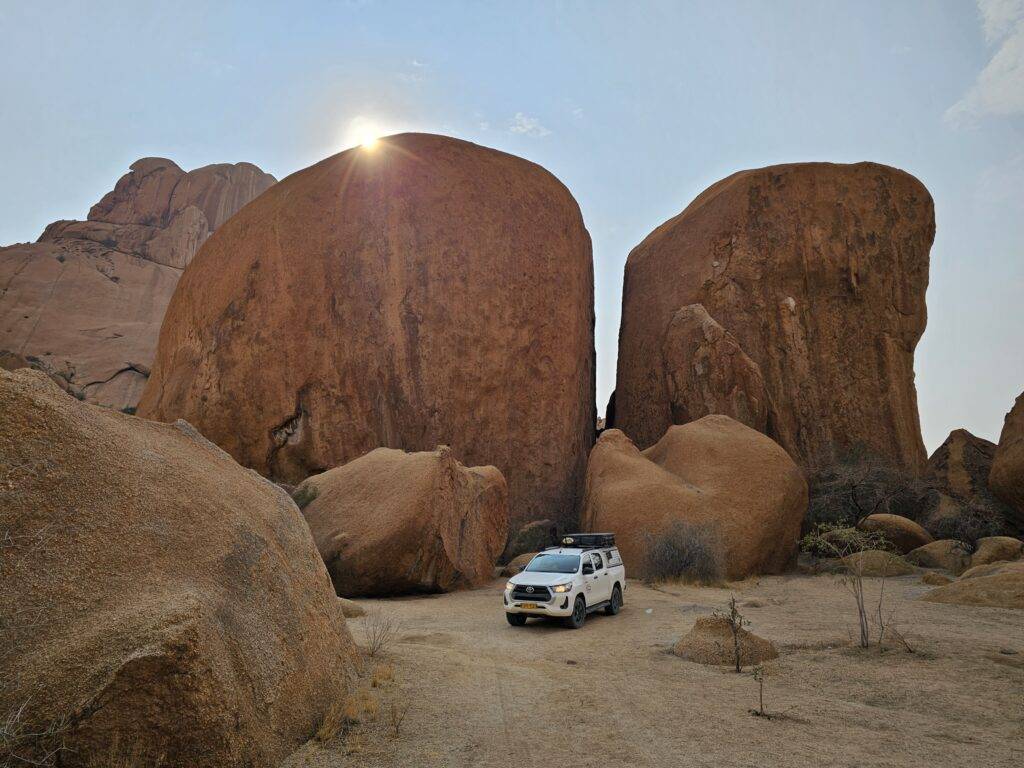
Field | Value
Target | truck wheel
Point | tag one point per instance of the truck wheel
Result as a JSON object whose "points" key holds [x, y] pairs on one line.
{"points": [[579, 613], [615, 604], [516, 619]]}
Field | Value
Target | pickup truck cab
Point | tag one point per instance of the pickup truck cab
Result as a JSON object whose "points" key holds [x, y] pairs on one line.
{"points": [[583, 575]]}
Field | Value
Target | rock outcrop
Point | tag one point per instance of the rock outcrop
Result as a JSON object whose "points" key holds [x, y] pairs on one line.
{"points": [[959, 470], [86, 301], [818, 271], [707, 372], [904, 534], [1006, 478], [393, 523], [430, 291], [154, 593], [721, 478], [711, 641]]}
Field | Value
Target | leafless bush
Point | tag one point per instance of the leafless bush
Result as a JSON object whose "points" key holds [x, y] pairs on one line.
{"points": [[975, 522], [842, 542], [22, 744], [736, 623], [396, 716], [683, 551], [381, 631]]}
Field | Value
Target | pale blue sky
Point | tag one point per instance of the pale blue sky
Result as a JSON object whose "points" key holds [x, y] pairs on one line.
{"points": [[637, 107]]}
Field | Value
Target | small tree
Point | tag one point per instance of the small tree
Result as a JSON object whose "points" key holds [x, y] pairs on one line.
{"points": [[758, 673], [736, 623], [843, 542], [682, 550]]}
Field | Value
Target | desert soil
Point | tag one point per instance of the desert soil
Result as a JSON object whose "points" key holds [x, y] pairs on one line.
{"points": [[483, 693]]}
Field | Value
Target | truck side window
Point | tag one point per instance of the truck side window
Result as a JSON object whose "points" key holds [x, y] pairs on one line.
{"points": [[598, 562]]}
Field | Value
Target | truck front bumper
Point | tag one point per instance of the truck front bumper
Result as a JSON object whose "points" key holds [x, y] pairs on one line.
{"points": [[559, 605]]}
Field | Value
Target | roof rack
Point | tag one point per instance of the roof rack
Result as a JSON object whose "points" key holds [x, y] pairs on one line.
{"points": [[586, 540]]}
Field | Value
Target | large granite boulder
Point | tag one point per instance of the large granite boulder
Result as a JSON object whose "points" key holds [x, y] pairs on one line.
{"points": [[904, 534], [86, 301], [719, 478], [153, 593], [707, 372], [959, 469], [1006, 478], [818, 271], [392, 523], [430, 291]]}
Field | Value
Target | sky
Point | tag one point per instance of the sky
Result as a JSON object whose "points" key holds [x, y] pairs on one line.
{"points": [[635, 106]]}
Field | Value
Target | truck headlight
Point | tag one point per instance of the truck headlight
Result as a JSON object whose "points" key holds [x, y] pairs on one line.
{"points": [[567, 587], [509, 586]]}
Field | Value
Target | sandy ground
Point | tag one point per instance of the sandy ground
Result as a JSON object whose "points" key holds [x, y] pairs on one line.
{"points": [[483, 693]]}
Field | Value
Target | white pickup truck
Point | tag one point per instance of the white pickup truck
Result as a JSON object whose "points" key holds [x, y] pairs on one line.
{"points": [[583, 575]]}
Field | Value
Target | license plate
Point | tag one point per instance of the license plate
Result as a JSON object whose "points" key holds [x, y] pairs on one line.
{"points": [[527, 605]]}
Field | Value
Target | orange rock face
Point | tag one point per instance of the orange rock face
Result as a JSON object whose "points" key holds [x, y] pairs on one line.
{"points": [[819, 272], [719, 477], [1006, 478], [155, 593], [85, 303], [393, 523], [428, 292]]}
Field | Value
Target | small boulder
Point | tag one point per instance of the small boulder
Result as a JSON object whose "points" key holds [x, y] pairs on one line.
{"points": [[392, 523], [877, 562], [934, 579], [351, 608], [711, 642], [992, 549], [988, 569], [715, 477], [944, 553], [901, 532], [1001, 587], [517, 563]]}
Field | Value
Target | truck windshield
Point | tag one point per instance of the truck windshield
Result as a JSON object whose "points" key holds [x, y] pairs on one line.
{"points": [[554, 564]]}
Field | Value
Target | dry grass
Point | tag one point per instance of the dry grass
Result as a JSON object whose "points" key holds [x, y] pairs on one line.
{"points": [[382, 674], [121, 755], [341, 715], [396, 716]]}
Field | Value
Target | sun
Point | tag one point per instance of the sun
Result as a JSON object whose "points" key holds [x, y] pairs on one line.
{"points": [[365, 133]]}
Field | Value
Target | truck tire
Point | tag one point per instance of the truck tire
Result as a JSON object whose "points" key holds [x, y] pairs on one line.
{"points": [[516, 619], [579, 613], [615, 604]]}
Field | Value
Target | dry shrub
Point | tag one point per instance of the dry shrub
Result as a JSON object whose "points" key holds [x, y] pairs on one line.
{"points": [[21, 744], [683, 551], [382, 673], [396, 716], [368, 704], [304, 495], [381, 631], [974, 522]]}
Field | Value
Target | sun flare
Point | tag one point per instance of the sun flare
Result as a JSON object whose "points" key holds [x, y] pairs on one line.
{"points": [[364, 133]]}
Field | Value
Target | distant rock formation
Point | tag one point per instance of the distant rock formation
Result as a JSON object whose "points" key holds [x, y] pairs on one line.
{"points": [[428, 292], [959, 469], [86, 301], [154, 593], [1006, 478], [818, 271], [395, 523], [727, 483]]}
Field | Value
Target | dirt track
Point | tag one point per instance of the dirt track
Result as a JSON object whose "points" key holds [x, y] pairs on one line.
{"points": [[483, 693]]}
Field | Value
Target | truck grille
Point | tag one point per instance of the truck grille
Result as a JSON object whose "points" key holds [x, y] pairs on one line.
{"points": [[538, 595]]}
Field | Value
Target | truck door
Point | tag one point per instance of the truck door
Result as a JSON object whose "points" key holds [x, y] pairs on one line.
{"points": [[602, 589]]}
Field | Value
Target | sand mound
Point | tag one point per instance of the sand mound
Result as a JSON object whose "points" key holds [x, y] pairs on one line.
{"points": [[711, 642]]}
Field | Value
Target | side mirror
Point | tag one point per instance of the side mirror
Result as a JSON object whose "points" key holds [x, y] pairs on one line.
{"points": [[588, 568]]}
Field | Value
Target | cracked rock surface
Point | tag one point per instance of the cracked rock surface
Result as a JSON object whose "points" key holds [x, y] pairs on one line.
{"points": [[818, 271], [85, 302]]}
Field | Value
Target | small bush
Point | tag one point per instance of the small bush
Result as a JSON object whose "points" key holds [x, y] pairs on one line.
{"points": [[975, 522], [838, 540], [683, 551], [381, 631], [396, 716], [304, 495], [341, 715]]}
